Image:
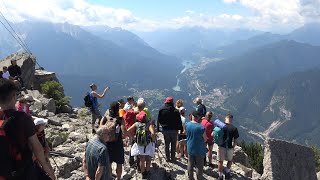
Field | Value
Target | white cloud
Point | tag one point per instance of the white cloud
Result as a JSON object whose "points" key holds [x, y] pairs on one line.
{"points": [[268, 14]]}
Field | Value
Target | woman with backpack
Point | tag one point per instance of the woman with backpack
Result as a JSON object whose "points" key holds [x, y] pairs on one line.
{"points": [[144, 146], [117, 132]]}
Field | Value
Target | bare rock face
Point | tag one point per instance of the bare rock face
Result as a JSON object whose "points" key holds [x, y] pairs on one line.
{"points": [[288, 161], [240, 156], [42, 76], [27, 64]]}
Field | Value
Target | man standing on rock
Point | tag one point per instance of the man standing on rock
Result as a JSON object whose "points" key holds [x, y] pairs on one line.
{"points": [[200, 107], [170, 121], [96, 161], [225, 151], [95, 106], [196, 138], [18, 139]]}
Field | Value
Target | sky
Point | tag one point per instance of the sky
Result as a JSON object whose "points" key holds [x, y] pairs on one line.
{"points": [[150, 15]]}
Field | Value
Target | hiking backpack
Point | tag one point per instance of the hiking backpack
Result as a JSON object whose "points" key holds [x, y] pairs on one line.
{"points": [[114, 128], [129, 118], [10, 157], [142, 134], [218, 132], [87, 100]]}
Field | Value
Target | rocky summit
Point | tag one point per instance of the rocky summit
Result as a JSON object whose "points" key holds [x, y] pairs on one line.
{"points": [[69, 130]]}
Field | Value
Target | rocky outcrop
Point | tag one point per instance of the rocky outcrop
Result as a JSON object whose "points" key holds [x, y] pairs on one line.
{"points": [[42, 76], [288, 161], [27, 64], [240, 156]]}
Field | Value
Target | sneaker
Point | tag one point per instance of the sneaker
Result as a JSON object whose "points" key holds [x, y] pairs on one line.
{"points": [[220, 178], [228, 176]]}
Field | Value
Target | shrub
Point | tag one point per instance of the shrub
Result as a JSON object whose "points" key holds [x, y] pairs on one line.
{"points": [[316, 152], [54, 90], [255, 153]]}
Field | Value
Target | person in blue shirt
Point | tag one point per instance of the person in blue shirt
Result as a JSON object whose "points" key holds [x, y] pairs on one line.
{"points": [[95, 105], [196, 138], [96, 161]]}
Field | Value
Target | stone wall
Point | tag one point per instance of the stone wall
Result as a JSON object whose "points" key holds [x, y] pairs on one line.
{"points": [[288, 161], [27, 64]]}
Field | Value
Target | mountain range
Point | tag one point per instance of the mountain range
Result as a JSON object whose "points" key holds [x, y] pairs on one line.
{"points": [[268, 81]]}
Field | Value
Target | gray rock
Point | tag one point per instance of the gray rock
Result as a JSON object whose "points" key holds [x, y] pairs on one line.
{"points": [[240, 156], [36, 107], [43, 114], [66, 166], [49, 104], [66, 126], [288, 161], [75, 136], [42, 76], [318, 175], [57, 140], [66, 109]]}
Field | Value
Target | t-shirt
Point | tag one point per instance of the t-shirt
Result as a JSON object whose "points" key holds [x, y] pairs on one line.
{"points": [[184, 121], [202, 110], [195, 141], [121, 112], [19, 130], [97, 153], [231, 133], [6, 75], [127, 106], [14, 70], [208, 125]]}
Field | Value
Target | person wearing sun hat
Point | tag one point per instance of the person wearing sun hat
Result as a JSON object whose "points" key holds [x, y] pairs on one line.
{"points": [[41, 124], [170, 121]]}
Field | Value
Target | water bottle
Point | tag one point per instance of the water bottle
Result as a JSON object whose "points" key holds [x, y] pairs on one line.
{"points": [[220, 124]]}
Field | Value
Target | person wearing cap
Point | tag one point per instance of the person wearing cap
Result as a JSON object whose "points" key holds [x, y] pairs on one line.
{"points": [[196, 138], [208, 125], [182, 147], [15, 72], [129, 104], [95, 106], [23, 104], [144, 153], [141, 103], [200, 107], [40, 124], [170, 121]]}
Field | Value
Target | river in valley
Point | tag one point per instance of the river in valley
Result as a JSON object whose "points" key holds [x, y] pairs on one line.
{"points": [[186, 64]]}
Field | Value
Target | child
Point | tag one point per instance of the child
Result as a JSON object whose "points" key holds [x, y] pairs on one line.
{"points": [[40, 124]]}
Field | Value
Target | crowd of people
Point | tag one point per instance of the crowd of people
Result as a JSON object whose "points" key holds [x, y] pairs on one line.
{"points": [[191, 137], [25, 151]]}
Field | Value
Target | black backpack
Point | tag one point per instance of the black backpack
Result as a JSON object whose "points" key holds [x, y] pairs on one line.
{"points": [[12, 163], [87, 100]]}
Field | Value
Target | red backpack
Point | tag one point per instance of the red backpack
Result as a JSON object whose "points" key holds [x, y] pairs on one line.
{"points": [[10, 158], [129, 118]]}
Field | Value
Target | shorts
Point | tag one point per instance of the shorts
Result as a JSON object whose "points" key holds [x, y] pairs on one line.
{"points": [[116, 152], [96, 115], [210, 143], [224, 155], [182, 137]]}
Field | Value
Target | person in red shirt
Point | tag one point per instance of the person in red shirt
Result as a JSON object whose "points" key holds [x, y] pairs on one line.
{"points": [[209, 126]]}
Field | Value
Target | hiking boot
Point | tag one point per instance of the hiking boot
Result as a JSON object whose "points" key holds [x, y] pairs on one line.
{"points": [[145, 175], [228, 176], [220, 178]]}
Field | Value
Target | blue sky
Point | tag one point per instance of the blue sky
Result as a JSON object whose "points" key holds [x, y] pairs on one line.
{"points": [[150, 15]]}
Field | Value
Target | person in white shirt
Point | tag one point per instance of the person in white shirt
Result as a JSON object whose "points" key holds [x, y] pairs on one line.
{"points": [[5, 73]]}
